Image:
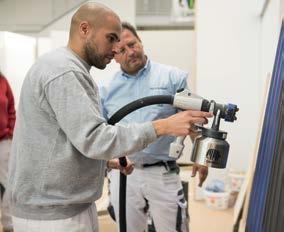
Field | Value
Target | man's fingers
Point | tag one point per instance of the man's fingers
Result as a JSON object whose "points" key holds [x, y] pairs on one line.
{"points": [[198, 116], [194, 120], [195, 113], [202, 178], [128, 169], [194, 170], [127, 172], [193, 134], [203, 172], [200, 183]]}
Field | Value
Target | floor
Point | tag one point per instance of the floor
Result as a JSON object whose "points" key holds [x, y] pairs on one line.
{"points": [[202, 219]]}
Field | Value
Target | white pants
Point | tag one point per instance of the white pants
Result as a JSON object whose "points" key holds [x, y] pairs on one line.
{"points": [[87, 221], [164, 194], [5, 147]]}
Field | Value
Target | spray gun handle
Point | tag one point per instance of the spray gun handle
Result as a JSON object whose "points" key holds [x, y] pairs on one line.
{"points": [[176, 147]]}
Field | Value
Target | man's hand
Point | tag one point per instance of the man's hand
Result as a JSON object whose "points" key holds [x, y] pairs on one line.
{"points": [[203, 172], [181, 124], [114, 164]]}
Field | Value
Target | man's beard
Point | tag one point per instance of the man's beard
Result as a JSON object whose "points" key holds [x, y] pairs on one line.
{"points": [[93, 57], [135, 67]]}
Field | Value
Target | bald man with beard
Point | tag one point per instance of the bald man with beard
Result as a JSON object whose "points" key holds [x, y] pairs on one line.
{"points": [[61, 143]]}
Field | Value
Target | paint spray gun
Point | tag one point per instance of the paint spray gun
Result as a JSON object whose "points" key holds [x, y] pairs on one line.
{"points": [[210, 148]]}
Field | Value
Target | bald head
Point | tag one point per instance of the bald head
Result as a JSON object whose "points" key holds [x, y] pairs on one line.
{"points": [[95, 14], [94, 34]]}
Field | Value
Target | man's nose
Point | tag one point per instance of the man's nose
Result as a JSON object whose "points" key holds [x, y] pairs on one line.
{"points": [[116, 49]]}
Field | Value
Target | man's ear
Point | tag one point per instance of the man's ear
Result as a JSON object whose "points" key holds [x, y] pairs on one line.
{"points": [[84, 28]]}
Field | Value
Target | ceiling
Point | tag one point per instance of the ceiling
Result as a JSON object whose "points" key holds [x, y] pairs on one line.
{"points": [[31, 16]]}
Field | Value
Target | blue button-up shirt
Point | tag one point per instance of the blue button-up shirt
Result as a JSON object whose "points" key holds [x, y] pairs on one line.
{"points": [[153, 79]]}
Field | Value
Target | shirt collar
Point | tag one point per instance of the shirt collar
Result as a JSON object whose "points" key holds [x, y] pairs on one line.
{"points": [[141, 72], [86, 65]]}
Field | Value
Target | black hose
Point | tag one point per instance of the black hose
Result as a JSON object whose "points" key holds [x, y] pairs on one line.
{"points": [[116, 117]]}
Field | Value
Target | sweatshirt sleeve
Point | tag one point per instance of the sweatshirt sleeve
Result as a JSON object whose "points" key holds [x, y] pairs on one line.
{"points": [[10, 109], [102, 96], [76, 106]]}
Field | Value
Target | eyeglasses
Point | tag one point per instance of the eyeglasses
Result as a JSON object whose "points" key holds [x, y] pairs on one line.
{"points": [[130, 46]]}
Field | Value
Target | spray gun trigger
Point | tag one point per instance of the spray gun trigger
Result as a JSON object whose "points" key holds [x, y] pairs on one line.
{"points": [[180, 90]]}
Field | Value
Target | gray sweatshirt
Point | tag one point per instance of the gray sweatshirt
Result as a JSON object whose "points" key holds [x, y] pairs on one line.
{"points": [[61, 142]]}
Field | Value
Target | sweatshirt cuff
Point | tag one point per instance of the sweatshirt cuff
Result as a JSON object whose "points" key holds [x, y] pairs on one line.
{"points": [[149, 133]]}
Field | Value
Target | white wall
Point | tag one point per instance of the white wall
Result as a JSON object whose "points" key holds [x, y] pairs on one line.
{"points": [[235, 51], [270, 28], [221, 71], [17, 54]]}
